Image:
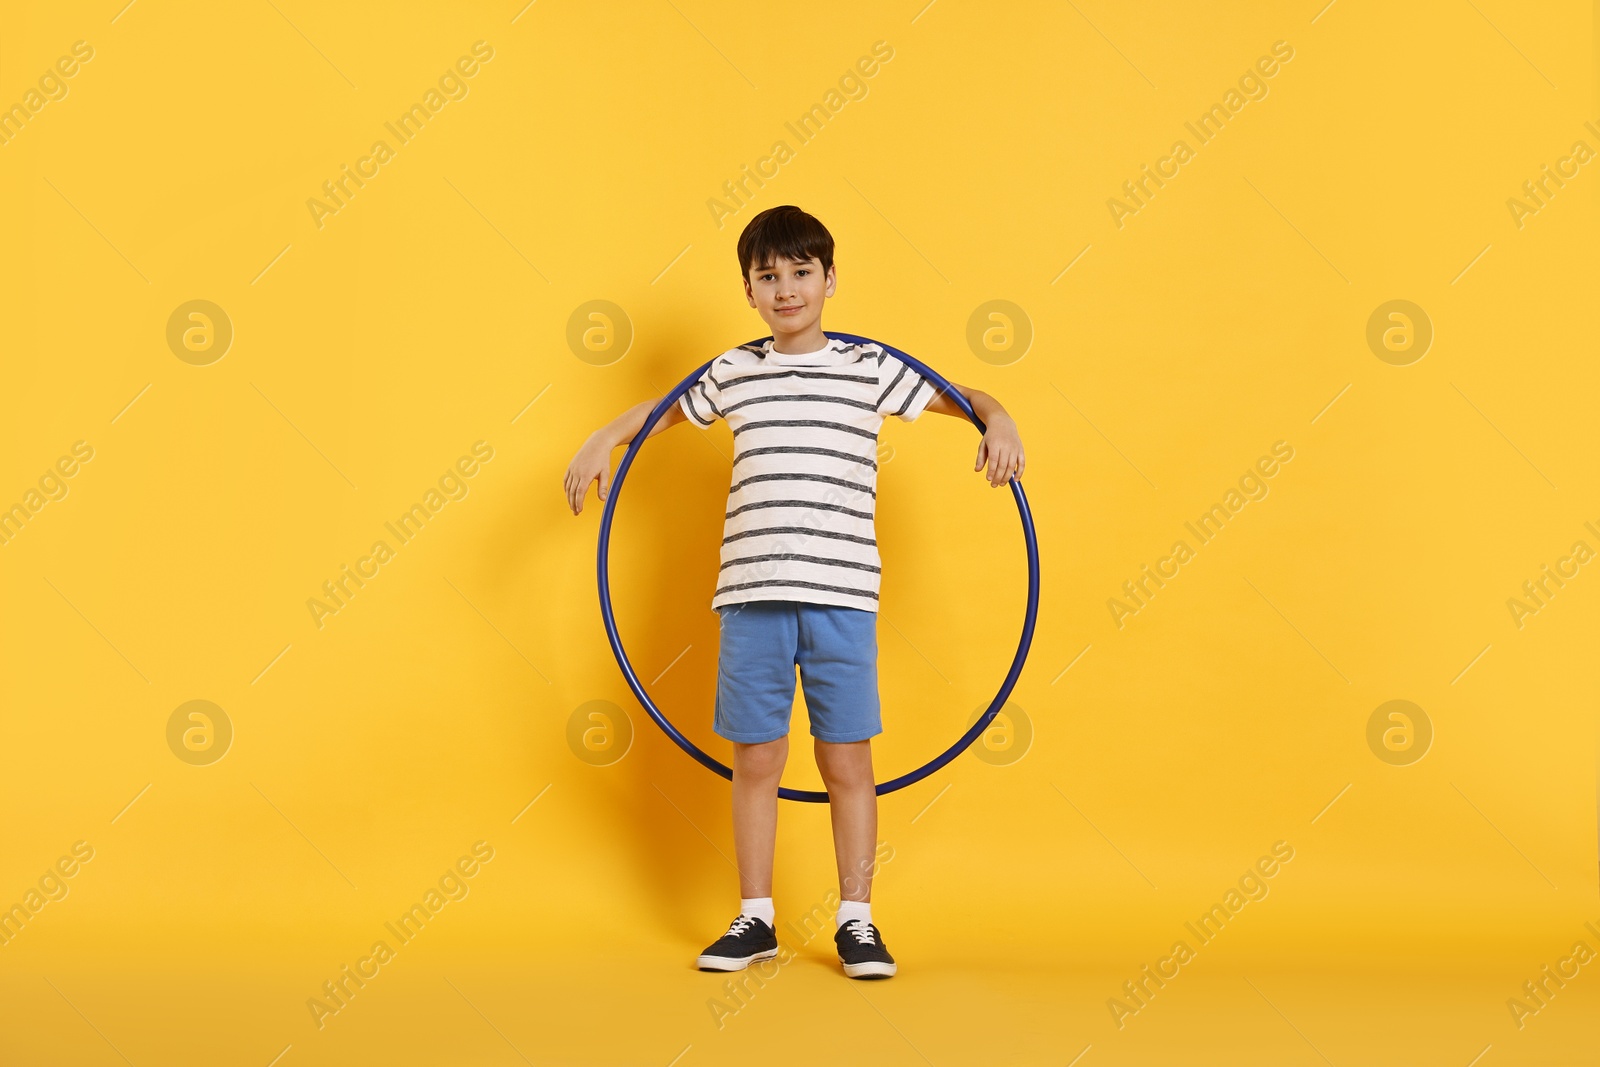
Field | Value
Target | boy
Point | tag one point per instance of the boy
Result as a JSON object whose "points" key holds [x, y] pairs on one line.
{"points": [[800, 567]]}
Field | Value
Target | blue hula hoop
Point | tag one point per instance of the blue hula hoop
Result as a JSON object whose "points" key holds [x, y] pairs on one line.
{"points": [[1029, 537]]}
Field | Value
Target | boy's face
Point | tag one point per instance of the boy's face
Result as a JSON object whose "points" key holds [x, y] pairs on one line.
{"points": [[789, 294]]}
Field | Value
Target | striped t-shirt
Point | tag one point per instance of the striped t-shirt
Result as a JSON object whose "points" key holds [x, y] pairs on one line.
{"points": [[799, 522]]}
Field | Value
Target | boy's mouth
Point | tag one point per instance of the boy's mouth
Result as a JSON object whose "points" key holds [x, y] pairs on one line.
{"points": [[795, 309]]}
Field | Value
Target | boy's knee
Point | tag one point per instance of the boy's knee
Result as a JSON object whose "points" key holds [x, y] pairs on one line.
{"points": [[762, 760], [844, 764], [849, 778]]}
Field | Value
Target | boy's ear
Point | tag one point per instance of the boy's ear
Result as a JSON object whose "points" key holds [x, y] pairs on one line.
{"points": [[749, 293], [833, 280]]}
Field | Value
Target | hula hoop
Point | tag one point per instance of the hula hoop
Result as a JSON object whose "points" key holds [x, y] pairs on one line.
{"points": [[1029, 538]]}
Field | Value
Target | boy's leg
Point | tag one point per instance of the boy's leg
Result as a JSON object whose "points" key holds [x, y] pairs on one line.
{"points": [[757, 766], [755, 691], [756, 772], [837, 651], [853, 805], [838, 657]]}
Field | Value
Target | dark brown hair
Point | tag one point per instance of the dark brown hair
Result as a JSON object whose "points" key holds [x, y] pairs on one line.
{"points": [[784, 231]]}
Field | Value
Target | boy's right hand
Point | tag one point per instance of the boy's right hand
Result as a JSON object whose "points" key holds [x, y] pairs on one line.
{"points": [[593, 462]]}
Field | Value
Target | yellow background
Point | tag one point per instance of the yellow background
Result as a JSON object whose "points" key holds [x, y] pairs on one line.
{"points": [[433, 709]]}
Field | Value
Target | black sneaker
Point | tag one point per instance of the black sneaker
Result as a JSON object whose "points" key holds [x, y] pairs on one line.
{"points": [[748, 940], [862, 951]]}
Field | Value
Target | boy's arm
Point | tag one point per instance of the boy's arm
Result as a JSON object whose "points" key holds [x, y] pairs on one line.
{"points": [[593, 461], [620, 430], [1001, 447]]}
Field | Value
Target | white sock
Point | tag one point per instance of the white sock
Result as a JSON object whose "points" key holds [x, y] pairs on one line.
{"points": [[852, 909], [758, 908]]}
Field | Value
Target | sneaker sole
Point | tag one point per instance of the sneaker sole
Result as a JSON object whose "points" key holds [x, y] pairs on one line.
{"points": [[869, 970], [733, 963]]}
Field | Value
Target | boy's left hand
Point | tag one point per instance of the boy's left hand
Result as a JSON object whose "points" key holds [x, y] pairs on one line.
{"points": [[1001, 449]]}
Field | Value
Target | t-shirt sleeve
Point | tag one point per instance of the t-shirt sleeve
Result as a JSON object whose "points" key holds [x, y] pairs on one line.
{"points": [[902, 391], [703, 402]]}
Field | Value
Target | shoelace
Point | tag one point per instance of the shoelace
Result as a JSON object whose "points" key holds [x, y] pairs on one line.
{"points": [[861, 930], [740, 925]]}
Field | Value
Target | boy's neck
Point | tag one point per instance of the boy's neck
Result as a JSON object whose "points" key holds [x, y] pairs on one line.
{"points": [[813, 340]]}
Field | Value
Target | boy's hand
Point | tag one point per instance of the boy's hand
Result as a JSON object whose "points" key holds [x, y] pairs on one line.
{"points": [[592, 462], [1001, 449]]}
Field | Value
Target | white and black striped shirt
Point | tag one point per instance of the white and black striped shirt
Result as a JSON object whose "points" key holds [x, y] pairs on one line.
{"points": [[799, 523]]}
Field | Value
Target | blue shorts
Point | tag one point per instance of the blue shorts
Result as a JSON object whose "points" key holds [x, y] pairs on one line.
{"points": [[836, 649]]}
